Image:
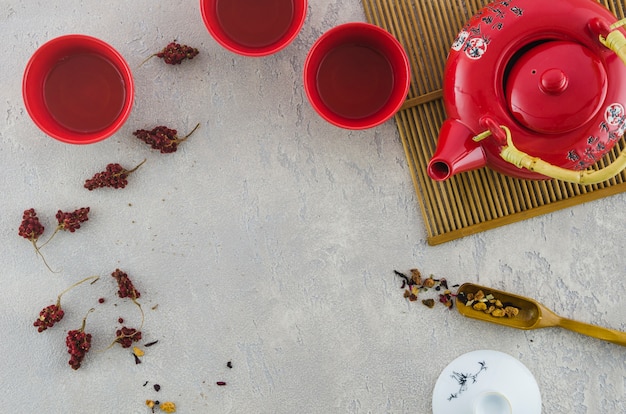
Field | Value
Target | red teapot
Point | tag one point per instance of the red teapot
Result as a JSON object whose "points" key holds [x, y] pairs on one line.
{"points": [[535, 90]]}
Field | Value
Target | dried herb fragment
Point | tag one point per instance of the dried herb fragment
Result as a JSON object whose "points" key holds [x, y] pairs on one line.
{"points": [[157, 387], [221, 383], [429, 302], [168, 407], [150, 343], [229, 364]]}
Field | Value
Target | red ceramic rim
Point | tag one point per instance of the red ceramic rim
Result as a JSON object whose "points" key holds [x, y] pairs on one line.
{"points": [[401, 83], [207, 7], [34, 75]]}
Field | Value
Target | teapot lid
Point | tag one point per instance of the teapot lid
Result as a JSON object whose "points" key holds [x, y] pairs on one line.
{"points": [[556, 87]]}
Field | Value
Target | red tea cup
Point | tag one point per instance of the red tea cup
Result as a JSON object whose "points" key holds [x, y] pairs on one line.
{"points": [[253, 27], [356, 75], [78, 89]]}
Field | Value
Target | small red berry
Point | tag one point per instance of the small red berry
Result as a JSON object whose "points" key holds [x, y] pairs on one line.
{"points": [[101, 300]]}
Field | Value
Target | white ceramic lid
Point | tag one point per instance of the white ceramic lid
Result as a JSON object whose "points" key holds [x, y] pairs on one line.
{"points": [[488, 381]]}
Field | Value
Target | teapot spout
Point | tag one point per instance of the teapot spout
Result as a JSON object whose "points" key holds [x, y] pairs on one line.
{"points": [[456, 152]]}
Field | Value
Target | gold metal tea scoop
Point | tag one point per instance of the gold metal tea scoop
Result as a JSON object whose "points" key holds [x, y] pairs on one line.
{"points": [[531, 314]]}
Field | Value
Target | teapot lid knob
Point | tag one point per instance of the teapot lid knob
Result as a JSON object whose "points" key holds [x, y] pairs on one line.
{"points": [[553, 81]]}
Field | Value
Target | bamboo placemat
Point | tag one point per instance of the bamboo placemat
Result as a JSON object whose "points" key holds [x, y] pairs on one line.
{"points": [[477, 200]]}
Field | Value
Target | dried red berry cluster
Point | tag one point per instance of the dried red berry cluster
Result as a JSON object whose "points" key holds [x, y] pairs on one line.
{"points": [[125, 286], [114, 176], [30, 228], [78, 344], [174, 53], [162, 138], [126, 336], [71, 221], [48, 317]]}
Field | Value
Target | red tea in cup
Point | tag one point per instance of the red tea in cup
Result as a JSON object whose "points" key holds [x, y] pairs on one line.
{"points": [[84, 92], [253, 27], [356, 75], [78, 89]]}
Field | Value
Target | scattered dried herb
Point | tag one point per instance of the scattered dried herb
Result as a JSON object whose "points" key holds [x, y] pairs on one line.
{"points": [[137, 360], [229, 364], [415, 284], [157, 387], [221, 383], [150, 343]]}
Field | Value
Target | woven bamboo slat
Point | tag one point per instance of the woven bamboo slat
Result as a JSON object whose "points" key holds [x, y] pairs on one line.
{"points": [[478, 200]]}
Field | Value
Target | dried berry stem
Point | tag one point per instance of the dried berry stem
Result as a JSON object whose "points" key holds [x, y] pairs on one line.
{"points": [[133, 170], [82, 326], [140, 310], [94, 278], [147, 59], [38, 252], [179, 140]]}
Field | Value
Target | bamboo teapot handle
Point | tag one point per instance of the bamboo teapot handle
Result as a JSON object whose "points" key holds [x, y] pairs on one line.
{"points": [[522, 160]]}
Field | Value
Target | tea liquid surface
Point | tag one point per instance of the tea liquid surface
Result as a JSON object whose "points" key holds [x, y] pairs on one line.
{"points": [[84, 92], [355, 81], [255, 23]]}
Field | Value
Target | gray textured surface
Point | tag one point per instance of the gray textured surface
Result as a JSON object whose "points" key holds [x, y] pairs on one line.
{"points": [[269, 240]]}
